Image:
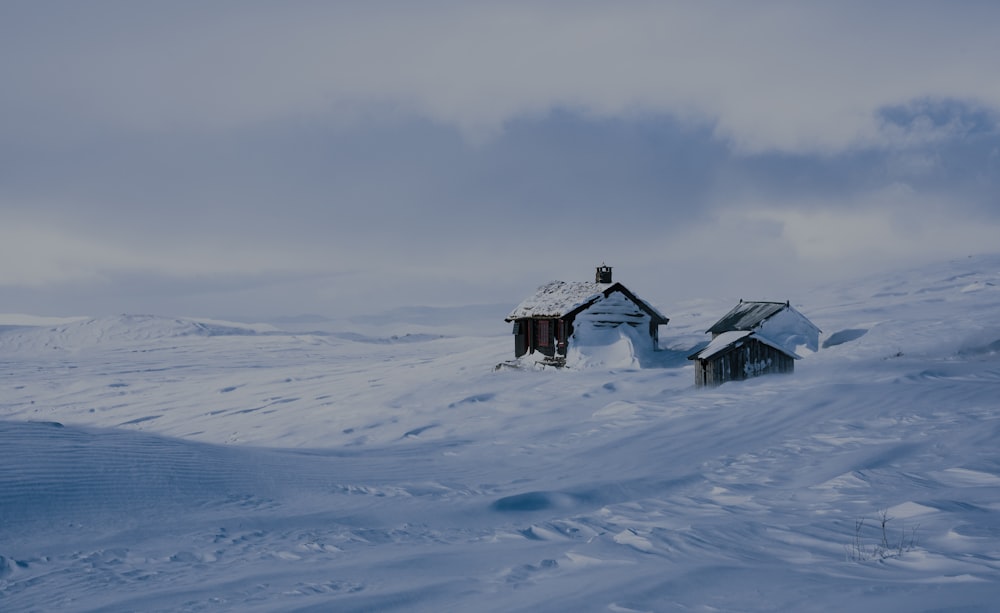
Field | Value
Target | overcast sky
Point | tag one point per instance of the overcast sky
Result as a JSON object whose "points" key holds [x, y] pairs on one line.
{"points": [[252, 159]]}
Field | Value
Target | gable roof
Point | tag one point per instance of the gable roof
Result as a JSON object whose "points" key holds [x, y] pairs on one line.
{"points": [[560, 299], [747, 316], [725, 340]]}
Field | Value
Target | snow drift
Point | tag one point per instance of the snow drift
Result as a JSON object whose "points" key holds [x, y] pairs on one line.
{"points": [[616, 347]]}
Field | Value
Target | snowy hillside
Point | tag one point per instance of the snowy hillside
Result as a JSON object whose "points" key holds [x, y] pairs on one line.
{"points": [[162, 464]]}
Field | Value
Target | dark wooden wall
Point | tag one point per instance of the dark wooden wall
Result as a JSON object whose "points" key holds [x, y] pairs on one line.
{"points": [[752, 358], [547, 336]]}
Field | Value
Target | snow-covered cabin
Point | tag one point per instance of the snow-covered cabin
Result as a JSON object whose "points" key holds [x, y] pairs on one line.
{"points": [[754, 338], [561, 313]]}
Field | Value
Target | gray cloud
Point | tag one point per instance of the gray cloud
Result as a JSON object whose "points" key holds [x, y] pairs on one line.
{"points": [[184, 154], [769, 75]]}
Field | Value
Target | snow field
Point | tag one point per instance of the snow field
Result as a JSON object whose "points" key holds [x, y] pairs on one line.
{"points": [[167, 470]]}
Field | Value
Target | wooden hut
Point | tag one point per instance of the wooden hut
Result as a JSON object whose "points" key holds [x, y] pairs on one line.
{"points": [[752, 339], [546, 321], [738, 355]]}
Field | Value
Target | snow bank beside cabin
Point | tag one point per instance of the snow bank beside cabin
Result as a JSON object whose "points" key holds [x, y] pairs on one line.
{"points": [[620, 346], [790, 330], [603, 347]]}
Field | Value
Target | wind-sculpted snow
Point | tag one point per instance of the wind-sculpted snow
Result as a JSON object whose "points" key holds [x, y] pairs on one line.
{"points": [[277, 472], [59, 473], [843, 336]]}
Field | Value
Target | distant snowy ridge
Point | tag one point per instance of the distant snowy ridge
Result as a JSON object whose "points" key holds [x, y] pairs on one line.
{"points": [[119, 329], [21, 319]]}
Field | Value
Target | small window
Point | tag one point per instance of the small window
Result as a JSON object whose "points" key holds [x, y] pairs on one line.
{"points": [[517, 327]]}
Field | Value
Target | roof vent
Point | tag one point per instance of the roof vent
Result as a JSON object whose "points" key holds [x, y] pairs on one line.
{"points": [[603, 274]]}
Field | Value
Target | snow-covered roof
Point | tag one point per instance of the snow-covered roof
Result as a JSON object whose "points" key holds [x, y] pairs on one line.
{"points": [[719, 343], [725, 340], [746, 315], [558, 298]]}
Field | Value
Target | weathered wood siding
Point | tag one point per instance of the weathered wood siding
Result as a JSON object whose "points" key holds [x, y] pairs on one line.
{"points": [[547, 336], [748, 358]]}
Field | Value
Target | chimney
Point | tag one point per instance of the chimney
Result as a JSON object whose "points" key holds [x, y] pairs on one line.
{"points": [[603, 274]]}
